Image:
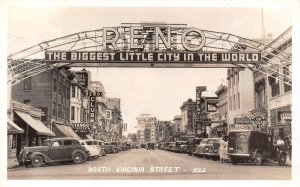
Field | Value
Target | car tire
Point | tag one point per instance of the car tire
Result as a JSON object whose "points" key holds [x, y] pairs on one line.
{"points": [[258, 159], [234, 161], [77, 158], [37, 161], [282, 160]]}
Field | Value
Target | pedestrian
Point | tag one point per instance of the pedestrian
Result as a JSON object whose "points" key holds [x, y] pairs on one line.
{"points": [[290, 146], [222, 149], [280, 143]]}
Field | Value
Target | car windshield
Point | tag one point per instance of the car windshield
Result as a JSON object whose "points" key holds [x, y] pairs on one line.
{"points": [[46, 142]]}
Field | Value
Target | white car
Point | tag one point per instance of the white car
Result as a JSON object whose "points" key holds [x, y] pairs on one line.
{"points": [[93, 151]]}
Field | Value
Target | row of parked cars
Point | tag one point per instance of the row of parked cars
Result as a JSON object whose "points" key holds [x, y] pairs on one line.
{"points": [[68, 150], [243, 146]]}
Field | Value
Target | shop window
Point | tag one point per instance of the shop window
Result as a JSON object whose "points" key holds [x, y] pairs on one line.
{"points": [[27, 84]]}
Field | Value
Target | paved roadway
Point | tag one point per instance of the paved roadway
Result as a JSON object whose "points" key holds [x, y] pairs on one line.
{"points": [[153, 164]]}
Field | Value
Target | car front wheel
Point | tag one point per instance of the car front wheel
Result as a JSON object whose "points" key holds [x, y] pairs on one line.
{"points": [[258, 159], [37, 161], [282, 160], [77, 158]]}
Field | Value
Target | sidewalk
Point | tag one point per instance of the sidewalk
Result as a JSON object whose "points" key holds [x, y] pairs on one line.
{"points": [[12, 163]]}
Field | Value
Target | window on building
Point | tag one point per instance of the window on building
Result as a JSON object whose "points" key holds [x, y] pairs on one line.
{"points": [[67, 114], [45, 111], [72, 113], [63, 112], [233, 104], [238, 101], [67, 93], [287, 87], [233, 79], [230, 104], [260, 93], [238, 76], [274, 83], [59, 110], [54, 108], [59, 88], [73, 91], [54, 85], [27, 102], [27, 84]]}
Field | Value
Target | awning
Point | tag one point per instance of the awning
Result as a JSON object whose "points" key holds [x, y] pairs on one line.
{"points": [[13, 128], [37, 125], [67, 131]]}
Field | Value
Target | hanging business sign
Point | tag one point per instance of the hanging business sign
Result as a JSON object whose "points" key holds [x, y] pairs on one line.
{"points": [[211, 105], [92, 108], [259, 120], [152, 44], [83, 78]]}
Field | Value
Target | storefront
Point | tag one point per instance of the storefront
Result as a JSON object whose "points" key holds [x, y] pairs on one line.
{"points": [[13, 130], [28, 119], [281, 119]]}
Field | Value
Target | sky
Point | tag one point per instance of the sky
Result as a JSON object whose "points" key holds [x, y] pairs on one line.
{"points": [[160, 92]]}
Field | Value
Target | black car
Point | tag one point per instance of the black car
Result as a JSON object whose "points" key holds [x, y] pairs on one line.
{"points": [[253, 146], [150, 146], [53, 150]]}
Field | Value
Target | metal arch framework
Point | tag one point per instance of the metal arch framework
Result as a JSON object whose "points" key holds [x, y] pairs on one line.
{"points": [[30, 61]]}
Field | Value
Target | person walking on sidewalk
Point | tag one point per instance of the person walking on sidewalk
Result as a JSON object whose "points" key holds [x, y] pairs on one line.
{"points": [[222, 149]]}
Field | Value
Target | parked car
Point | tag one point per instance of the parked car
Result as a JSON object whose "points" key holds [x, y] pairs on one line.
{"points": [[150, 146], [179, 146], [208, 148], [112, 148], [103, 146], [53, 150], [171, 146], [93, 151], [128, 146], [191, 145], [95, 144], [254, 146], [117, 145]]}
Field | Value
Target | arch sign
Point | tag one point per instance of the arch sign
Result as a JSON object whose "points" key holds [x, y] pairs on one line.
{"points": [[152, 44]]}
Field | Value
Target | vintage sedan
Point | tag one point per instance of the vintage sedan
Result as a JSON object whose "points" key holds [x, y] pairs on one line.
{"points": [[95, 144], [208, 148], [53, 150], [93, 151], [253, 146]]}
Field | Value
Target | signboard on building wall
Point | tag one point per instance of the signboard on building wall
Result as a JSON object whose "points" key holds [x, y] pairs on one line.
{"points": [[92, 108], [81, 127], [199, 90], [83, 78], [284, 116], [211, 105], [243, 120], [108, 114]]}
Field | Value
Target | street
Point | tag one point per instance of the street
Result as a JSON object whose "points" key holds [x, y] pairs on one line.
{"points": [[153, 164]]}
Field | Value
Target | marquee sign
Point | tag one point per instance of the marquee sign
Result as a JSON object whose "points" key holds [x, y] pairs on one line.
{"points": [[152, 44]]}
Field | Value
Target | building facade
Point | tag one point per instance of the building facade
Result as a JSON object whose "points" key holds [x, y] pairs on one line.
{"points": [[221, 93], [147, 131], [188, 121]]}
